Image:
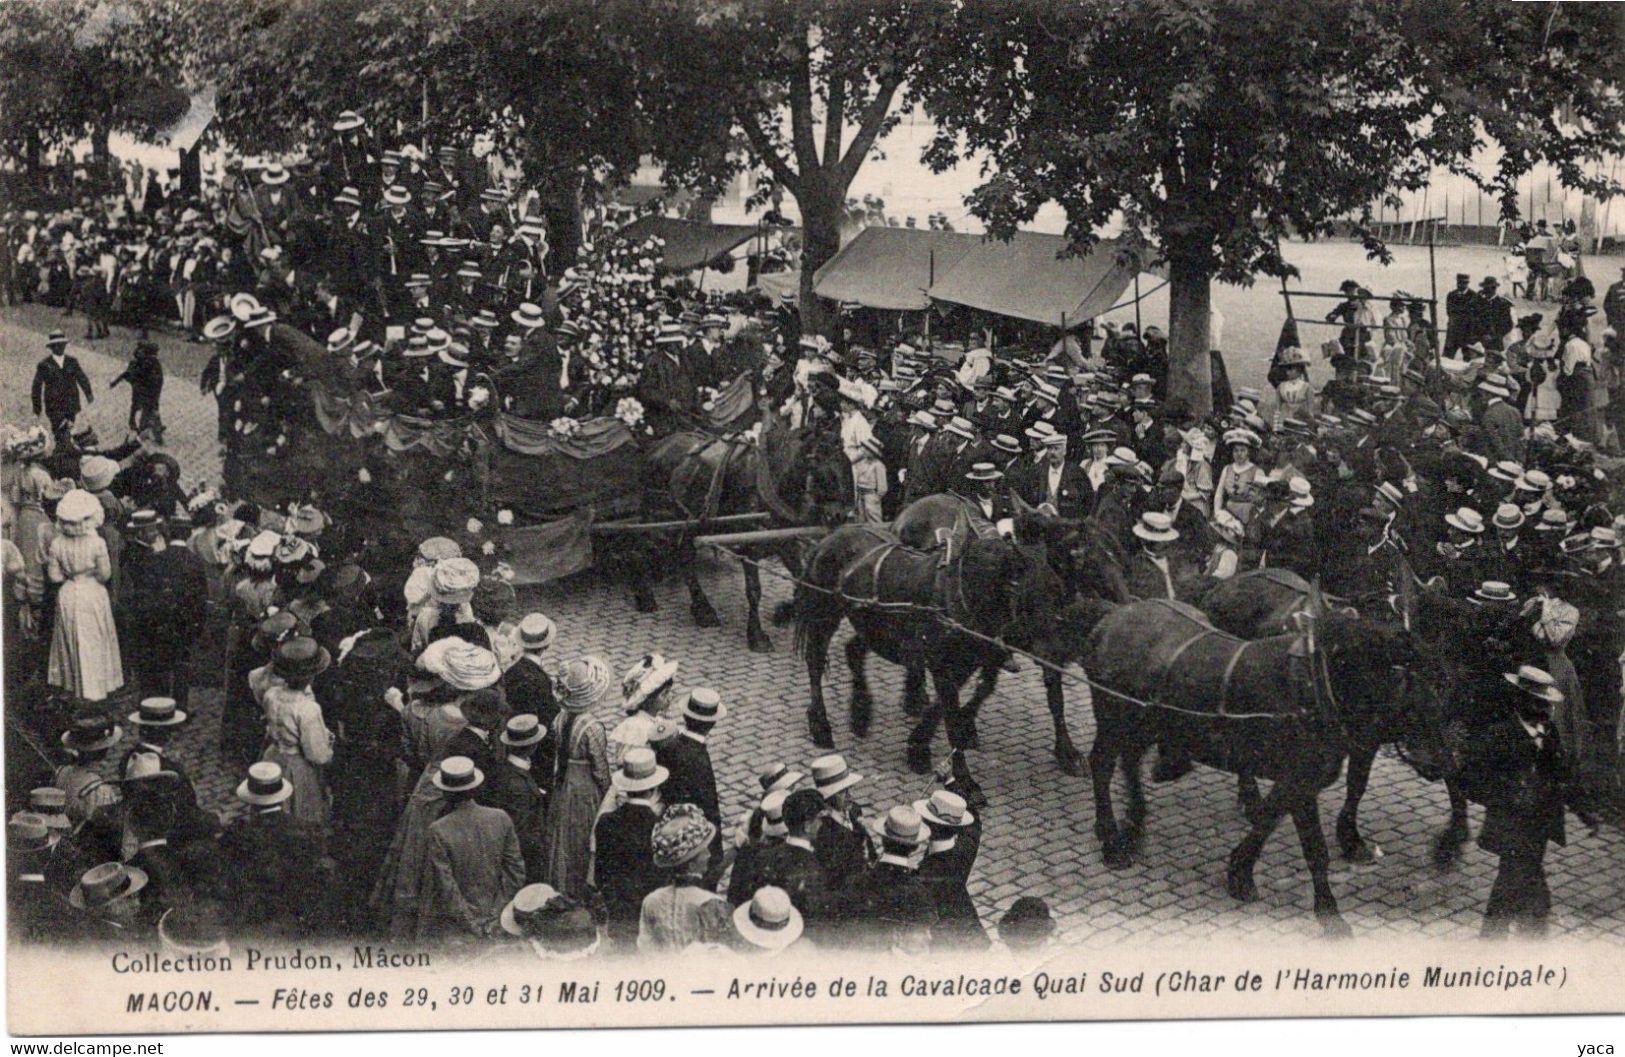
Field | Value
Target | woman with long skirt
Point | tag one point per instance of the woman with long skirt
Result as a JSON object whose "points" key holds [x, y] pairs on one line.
{"points": [[580, 777], [84, 657]]}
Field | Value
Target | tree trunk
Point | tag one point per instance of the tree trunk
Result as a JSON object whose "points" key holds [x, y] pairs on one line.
{"points": [[1189, 291], [33, 151], [820, 240], [561, 208]]}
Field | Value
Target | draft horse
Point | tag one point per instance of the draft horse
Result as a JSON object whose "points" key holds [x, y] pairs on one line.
{"points": [[1287, 708], [893, 596], [796, 477], [1267, 602]]}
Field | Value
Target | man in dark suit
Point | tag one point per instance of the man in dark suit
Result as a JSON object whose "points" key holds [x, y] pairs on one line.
{"points": [[887, 890], [624, 866], [474, 852], [792, 864], [1461, 318], [275, 882], [840, 840], [1516, 767], [1049, 478], [956, 836], [511, 786], [149, 820], [36, 911], [58, 381], [529, 688], [693, 781], [171, 607]]}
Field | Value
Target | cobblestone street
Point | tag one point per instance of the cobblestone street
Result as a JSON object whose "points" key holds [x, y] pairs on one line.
{"points": [[1038, 834]]}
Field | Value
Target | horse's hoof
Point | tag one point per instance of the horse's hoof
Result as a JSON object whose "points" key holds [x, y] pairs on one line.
{"points": [[818, 730], [705, 617], [644, 604], [1241, 887], [1335, 927], [919, 757], [1116, 854], [1447, 850], [1358, 852], [1071, 762], [760, 643]]}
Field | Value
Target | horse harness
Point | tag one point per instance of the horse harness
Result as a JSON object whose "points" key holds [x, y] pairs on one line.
{"points": [[885, 546], [689, 469]]}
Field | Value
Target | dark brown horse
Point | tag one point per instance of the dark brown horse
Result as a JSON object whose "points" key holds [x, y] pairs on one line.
{"points": [[1081, 550], [895, 597], [1288, 708], [796, 477], [1267, 602]]}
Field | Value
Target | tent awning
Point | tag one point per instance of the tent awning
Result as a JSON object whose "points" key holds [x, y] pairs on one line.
{"points": [[690, 244], [891, 268], [1026, 278], [776, 284], [184, 132]]}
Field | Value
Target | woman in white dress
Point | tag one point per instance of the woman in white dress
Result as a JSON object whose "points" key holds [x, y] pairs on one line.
{"points": [[84, 644]]}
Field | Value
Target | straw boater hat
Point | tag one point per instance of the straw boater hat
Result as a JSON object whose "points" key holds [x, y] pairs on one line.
{"points": [[396, 195], [1508, 516], [536, 631], [265, 785], [1100, 435], [682, 833], [1155, 526], [106, 884], [457, 774], [583, 682], [348, 120], [1040, 431], [943, 808], [1553, 520], [1506, 470], [960, 427], [1006, 443], [274, 174], [639, 771], [56, 340], [1228, 526], [193, 927], [651, 674], [522, 730], [97, 472], [983, 471], [1494, 591], [219, 328], [924, 419], [92, 732], [769, 920], [703, 705], [558, 927], [349, 196], [1466, 519], [1302, 496], [831, 775], [1535, 682], [778, 776], [1535, 481], [901, 825], [28, 832], [50, 804], [157, 712], [340, 340], [528, 315]]}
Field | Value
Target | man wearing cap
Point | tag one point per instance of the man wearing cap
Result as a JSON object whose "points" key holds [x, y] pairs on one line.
{"points": [[169, 606], [841, 842], [1492, 314], [887, 889], [512, 786], [693, 780], [623, 864], [475, 856], [274, 879], [58, 383], [955, 838], [1515, 767]]}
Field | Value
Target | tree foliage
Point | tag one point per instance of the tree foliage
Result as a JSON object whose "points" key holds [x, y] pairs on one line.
{"points": [[796, 90], [1215, 127], [80, 69]]}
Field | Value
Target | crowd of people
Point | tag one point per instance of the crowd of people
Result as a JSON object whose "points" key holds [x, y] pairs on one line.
{"points": [[414, 764]]}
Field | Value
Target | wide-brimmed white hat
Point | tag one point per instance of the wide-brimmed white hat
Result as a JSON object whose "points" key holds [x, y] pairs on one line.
{"points": [[265, 785], [943, 808], [347, 120], [831, 775], [457, 774], [1156, 527], [1535, 682], [639, 772], [1466, 519], [769, 920]]}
